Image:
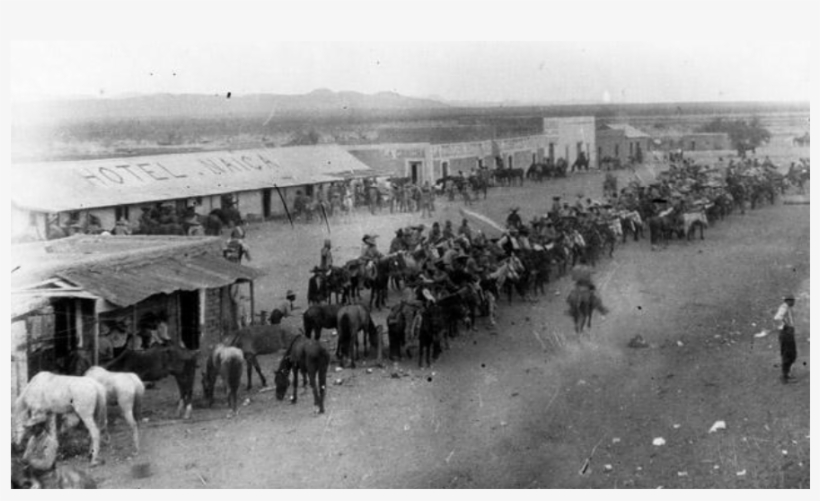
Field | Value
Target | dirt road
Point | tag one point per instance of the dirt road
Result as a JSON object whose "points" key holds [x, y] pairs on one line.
{"points": [[528, 404]]}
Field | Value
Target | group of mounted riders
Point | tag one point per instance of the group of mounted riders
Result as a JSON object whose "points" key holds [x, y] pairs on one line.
{"points": [[468, 270], [157, 219]]}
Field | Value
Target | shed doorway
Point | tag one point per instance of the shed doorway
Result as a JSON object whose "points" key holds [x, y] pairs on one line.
{"points": [[189, 318]]}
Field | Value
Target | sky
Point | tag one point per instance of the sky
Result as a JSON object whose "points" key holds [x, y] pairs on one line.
{"points": [[526, 72]]}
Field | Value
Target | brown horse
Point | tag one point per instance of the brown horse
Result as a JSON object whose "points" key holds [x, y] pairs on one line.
{"points": [[582, 302], [318, 317], [350, 320], [256, 340], [309, 357], [224, 362], [157, 363]]}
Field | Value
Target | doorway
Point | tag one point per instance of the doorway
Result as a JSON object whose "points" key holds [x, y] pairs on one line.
{"points": [[266, 198], [445, 169], [415, 172], [189, 318]]}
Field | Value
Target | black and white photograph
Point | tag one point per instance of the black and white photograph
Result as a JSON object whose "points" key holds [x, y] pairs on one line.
{"points": [[392, 264]]}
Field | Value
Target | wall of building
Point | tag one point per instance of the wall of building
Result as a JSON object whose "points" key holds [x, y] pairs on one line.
{"points": [[567, 133], [395, 159], [611, 143], [19, 358], [250, 202], [220, 316], [26, 225]]}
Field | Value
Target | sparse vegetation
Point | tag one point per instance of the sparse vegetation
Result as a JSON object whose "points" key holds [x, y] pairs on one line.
{"points": [[745, 136]]}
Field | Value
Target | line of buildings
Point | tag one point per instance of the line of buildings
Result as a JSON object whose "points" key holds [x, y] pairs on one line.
{"points": [[261, 181]]}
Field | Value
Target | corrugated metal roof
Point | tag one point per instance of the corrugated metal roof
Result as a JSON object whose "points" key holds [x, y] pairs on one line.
{"points": [[64, 186], [130, 284]]}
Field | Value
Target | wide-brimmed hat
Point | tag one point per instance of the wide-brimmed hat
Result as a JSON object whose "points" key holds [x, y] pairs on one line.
{"points": [[515, 209], [290, 293], [316, 269], [788, 297]]}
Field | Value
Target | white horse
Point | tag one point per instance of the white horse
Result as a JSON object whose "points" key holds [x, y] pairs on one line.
{"points": [[127, 390], [48, 392]]}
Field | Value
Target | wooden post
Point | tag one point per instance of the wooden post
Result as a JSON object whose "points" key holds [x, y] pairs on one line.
{"points": [[178, 326], [253, 301], [134, 332], [96, 357], [78, 321]]}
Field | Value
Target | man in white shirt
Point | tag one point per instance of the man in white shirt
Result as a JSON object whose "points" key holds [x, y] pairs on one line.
{"points": [[788, 348]]}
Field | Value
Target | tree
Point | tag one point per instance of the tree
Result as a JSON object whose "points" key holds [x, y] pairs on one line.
{"points": [[745, 136]]}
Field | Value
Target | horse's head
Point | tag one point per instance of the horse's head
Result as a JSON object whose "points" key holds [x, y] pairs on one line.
{"points": [[281, 380]]}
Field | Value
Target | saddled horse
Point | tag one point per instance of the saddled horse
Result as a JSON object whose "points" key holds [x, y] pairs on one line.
{"points": [[631, 222], [229, 216], [660, 229], [511, 275], [157, 363], [457, 306], [694, 220], [127, 390], [225, 362], [318, 317], [582, 303], [350, 320], [256, 340], [317, 289], [377, 278], [431, 331], [338, 282], [52, 393], [309, 357]]}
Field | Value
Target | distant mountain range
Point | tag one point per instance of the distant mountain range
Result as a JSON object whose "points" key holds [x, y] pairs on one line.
{"points": [[327, 105], [228, 105]]}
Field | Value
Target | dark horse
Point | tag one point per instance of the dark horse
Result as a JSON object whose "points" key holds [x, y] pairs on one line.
{"points": [[318, 317], [582, 302], [377, 278], [256, 340], [225, 362], [310, 358], [350, 320], [157, 363]]}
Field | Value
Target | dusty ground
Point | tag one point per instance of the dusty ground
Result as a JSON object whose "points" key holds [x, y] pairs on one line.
{"points": [[528, 404]]}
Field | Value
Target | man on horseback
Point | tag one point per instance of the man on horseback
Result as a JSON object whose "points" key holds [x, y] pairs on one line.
{"points": [[582, 276], [514, 219], [236, 248], [370, 254]]}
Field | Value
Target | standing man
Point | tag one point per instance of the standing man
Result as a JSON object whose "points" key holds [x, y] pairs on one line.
{"points": [[283, 309], [788, 347], [326, 261]]}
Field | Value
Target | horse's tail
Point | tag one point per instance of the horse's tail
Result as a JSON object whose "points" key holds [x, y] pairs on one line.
{"points": [[101, 409], [139, 392], [234, 372]]}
